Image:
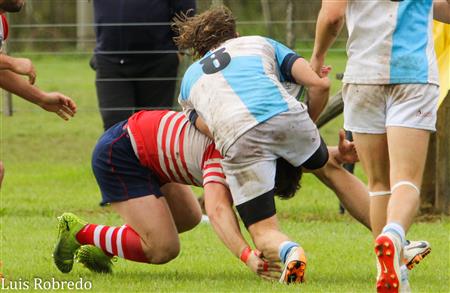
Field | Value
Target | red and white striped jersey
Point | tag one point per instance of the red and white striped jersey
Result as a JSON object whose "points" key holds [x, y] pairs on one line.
{"points": [[3, 30], [168, 144]]}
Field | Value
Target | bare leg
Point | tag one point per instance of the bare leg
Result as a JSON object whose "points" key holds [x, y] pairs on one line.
{"points": [[183, 205], [151, 218], [348, 188], [267, 237], [407, 164], [373, 152]]}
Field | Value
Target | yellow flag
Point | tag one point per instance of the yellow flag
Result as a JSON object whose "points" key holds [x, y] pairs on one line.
{"points": [[442, 46]]}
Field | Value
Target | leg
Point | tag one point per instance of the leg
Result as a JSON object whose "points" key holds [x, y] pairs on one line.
{"points": [[276, 246], [373, 153], [158, 234], [407, 164], [267, 237], [348, 188], [184, 206], [113, 95], [259, 216], [147, 239]]}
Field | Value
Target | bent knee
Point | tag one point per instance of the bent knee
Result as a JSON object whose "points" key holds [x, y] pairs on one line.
{"points": [[189, 221], [161, 254], [192, 222]]}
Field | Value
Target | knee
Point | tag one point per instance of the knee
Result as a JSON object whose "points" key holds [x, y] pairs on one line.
{"points": [[191, 221], [162, 253]]}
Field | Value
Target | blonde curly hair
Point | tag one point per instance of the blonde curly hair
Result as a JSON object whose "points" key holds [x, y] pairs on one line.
{"points": [[205, 31]]}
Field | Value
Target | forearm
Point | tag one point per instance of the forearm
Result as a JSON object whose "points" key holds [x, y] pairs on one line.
{"points": [[223, 219], [17, 85], [317, 100], [441, 11], [328, 28], [318, 87], [6, 62]]}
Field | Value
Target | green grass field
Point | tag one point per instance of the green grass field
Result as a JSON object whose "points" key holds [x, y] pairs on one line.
{"points": [[48, 172]]}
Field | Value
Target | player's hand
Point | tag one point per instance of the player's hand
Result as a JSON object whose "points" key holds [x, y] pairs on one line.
{"points": [[24, 66], [325, 70], [60, 104], [347, 150], [265, 269], [317, 65]]}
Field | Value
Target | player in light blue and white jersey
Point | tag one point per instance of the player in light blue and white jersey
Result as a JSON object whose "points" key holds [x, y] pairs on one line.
{"points": [[390, 103], [238, 90]]}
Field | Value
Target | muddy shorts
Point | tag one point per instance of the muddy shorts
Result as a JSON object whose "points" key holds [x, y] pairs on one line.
{"points": [[373, 108], [250, 163]]}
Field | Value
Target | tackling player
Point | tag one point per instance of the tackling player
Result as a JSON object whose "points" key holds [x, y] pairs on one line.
{"points": [[236, 89]]}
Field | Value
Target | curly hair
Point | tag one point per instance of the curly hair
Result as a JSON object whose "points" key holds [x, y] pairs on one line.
{"points": [[287, 179], [205, 31]]}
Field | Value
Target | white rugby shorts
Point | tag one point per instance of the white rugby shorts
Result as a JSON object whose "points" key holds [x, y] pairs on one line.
{"points": [[250, 163], [372, 108]]}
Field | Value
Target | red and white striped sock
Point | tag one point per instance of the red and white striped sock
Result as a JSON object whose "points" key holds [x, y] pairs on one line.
{"points": [[121, 241]]}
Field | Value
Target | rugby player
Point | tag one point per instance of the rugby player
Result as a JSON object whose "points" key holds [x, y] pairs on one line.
{"points": [[236, 91], [390, 103]]}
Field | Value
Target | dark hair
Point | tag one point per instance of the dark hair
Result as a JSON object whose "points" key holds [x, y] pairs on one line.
{"points": [[205, 31], [287, 179]]}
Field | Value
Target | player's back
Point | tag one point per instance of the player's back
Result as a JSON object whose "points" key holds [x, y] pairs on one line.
{"points": [[237, 86], [173, 149], [390, 42]]}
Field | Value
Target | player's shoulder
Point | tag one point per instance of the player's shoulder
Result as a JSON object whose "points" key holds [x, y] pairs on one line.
{"points": [[247, 40]]}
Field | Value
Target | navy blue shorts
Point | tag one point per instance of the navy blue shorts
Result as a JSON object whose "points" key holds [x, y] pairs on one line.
{"points": [[118, 171]]}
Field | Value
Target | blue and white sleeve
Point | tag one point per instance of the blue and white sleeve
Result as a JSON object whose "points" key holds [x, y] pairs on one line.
{"points": [[285, 58]]}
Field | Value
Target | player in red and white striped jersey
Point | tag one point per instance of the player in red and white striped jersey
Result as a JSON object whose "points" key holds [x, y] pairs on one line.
{"points": [[139, 165], [175, 150]]}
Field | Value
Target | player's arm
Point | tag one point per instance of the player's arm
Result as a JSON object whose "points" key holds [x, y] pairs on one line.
{"points": [[191, 113], [441, 10], [55, 102], [329, 24], [294, 68], [218, 205], [318, 87], [22, 66], [199, 123]]}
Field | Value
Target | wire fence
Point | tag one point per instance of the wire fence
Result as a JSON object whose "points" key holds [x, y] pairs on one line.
{"points": [[64, 39]]}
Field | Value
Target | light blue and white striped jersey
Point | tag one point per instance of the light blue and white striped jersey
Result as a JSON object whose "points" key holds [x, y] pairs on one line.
{"points": [[390, 42], [239, 85]]}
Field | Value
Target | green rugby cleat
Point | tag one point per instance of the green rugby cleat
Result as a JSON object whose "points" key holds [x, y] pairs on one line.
{"points": [[68, 227], [94, 259]]}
